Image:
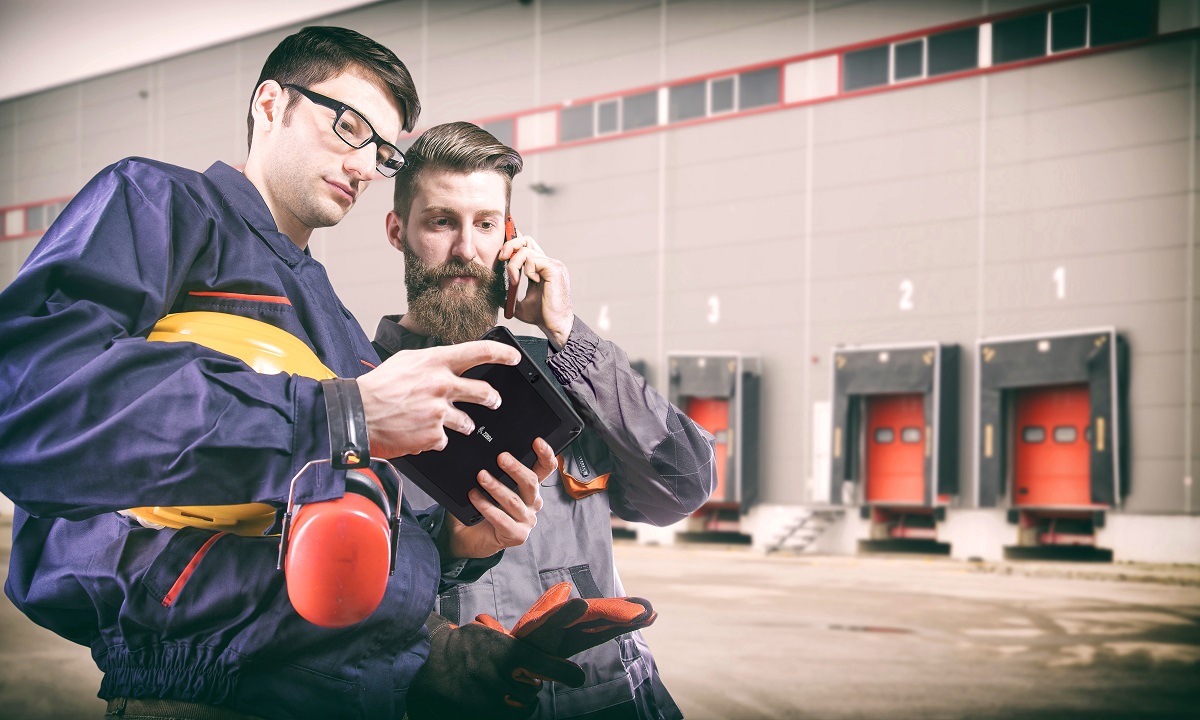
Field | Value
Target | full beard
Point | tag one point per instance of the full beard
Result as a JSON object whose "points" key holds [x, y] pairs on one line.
{"points": [[453, 313]]}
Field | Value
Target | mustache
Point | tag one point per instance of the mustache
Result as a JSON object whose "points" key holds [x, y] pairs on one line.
{"points": [[458, 268]]}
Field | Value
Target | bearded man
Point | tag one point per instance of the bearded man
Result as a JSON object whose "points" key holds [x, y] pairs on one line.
{"points": [[639, 456]]}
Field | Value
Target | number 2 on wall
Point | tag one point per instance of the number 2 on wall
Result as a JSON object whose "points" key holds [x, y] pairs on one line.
{"points": [[906, 294]]}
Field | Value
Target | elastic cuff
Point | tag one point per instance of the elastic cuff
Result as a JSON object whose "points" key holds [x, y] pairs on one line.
{"points": [[321, 481], [348, 443], [579, 352], [451, 570]]}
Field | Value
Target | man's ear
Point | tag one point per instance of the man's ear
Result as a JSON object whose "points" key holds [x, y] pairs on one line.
{"points": [[268, 104], [395, 230]]}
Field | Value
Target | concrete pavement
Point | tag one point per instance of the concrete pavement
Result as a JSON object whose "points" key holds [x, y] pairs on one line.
{"points": [[746, 636]]}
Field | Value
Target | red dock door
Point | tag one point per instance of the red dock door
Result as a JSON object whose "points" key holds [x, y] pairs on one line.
{"points": [[712, 414], [1052, 461], [896, 449]]}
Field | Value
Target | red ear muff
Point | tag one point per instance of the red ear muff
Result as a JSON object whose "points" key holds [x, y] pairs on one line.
{"points": [[338, 554]]}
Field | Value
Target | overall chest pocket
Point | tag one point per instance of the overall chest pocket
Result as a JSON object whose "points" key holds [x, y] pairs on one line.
{"points": [[274, 310], [170, 572], [580, 577]]}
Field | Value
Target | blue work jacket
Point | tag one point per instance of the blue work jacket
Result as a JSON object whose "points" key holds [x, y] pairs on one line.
{"points": [[94, 419]]}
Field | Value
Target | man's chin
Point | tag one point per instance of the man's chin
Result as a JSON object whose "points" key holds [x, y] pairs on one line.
{"points": [[460, 287], [446, 316], [328, 216]]}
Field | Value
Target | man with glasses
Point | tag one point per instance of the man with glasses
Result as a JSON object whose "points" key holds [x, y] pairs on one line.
{"points": [[192, 621]]}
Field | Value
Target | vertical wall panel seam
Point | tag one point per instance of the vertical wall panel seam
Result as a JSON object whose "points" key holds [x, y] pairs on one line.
{"points": [[237, 77], [160, 111], [807, 450], [79, 179], [15, 256], [424, 80], [980, 292], [1189, 309], [537, 101], [660, 299], [150, 100]]}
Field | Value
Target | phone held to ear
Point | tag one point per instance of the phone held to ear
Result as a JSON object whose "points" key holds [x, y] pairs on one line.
{"points": [[510, 303]]}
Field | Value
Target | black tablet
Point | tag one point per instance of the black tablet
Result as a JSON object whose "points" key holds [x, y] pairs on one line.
{"points": [[530, 408]]}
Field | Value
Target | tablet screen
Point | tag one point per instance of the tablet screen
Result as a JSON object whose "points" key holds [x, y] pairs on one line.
{"points": [[522, 416], [531, 407]]}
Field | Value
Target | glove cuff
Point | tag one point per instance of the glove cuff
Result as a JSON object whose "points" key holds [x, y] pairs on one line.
{"points": [[436, 622]]}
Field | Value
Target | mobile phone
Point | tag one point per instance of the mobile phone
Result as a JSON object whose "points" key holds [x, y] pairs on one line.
{"points": [[510, 303]]}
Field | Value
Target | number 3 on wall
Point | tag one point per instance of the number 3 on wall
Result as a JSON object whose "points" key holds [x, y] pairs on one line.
{"points": [[906, 294]]}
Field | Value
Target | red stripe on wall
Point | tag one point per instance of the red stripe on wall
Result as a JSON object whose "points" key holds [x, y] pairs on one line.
{"points": [[782, 104]]}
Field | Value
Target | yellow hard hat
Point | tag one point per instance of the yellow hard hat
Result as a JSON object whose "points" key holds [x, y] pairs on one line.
{"points": [[264, 347], [268, 350]]}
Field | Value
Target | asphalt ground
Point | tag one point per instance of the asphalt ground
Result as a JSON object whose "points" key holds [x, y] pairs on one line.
{"points": [[746, 636]]}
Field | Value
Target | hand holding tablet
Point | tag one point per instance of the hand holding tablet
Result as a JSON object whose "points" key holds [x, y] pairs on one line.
{"points": [[530, 408]]}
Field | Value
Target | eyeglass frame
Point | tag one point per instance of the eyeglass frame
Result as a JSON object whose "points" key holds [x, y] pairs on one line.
{"points": [[339, 108]]}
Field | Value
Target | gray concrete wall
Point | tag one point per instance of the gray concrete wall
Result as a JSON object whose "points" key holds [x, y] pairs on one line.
{"points": [[1050, 198]]}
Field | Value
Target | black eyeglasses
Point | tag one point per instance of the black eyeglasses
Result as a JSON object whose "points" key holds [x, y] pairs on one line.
{"points": [[355, 131]]}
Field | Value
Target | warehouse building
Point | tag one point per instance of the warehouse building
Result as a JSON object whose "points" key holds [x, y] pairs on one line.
{"points": [[926, 269]]}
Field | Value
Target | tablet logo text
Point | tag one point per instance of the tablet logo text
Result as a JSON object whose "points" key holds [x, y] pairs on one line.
{"points": [[486, 435]]}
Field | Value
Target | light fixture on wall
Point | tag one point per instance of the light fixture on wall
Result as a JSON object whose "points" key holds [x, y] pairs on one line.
{"points": [[541, 188]]}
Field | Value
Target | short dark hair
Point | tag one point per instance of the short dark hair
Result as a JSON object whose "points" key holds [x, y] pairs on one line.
{"points": [[318, 53], [458, 147]]}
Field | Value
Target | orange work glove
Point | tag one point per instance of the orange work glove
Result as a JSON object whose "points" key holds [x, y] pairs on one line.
{"points": [[479, 670], [562, 626]]}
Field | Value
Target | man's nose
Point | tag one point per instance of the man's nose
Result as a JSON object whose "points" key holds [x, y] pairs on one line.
{"points": [[464, 246], [361, 162]]}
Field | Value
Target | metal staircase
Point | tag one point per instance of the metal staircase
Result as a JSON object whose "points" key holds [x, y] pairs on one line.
{"points": [[802, 531]]}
